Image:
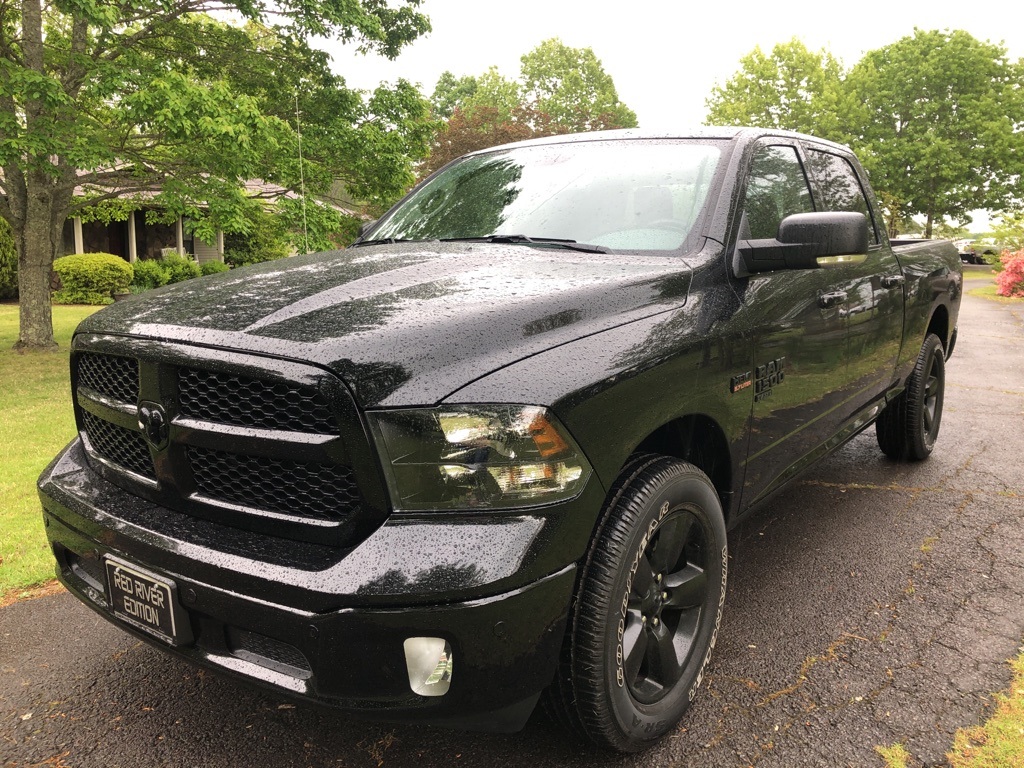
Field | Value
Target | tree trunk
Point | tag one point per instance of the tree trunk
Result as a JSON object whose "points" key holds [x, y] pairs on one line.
{"points": [[32, 206], [39, 242], [928, 226]]}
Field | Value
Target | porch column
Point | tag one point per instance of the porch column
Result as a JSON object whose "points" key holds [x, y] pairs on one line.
{"points": [[79, 242], [220, 244], [133, 253], [180, 233]]}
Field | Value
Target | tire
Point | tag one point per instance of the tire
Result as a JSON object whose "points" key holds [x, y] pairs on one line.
{"points": [[648, 607], [909, 425]]}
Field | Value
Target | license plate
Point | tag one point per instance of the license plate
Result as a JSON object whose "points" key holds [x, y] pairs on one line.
{"points": [[146, 601]]}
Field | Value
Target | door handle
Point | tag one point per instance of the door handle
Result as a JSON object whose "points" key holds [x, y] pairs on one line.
{"points": [[828, 300], [893, 281]]}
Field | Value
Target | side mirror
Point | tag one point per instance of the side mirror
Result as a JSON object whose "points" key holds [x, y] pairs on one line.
{"points": [[803, 238]]}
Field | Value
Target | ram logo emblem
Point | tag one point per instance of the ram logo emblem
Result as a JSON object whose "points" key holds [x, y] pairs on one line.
{"points": [[154, 424]]}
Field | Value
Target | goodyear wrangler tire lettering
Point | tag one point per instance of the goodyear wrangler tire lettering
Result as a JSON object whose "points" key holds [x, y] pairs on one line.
{"points": [[649, 605]]}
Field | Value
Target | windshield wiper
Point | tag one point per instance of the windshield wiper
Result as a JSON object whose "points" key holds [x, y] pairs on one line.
{"points": [[384, 241], [556, 242]]}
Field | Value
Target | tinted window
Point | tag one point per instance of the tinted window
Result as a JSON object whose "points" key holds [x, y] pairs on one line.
{"points": [[776, 188], [838, 185]]}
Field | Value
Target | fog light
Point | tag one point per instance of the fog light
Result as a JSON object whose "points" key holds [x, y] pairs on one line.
{"points": [[429, 661]]}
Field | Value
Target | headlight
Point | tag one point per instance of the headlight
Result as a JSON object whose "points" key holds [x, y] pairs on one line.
{"points": [[477, 457]]}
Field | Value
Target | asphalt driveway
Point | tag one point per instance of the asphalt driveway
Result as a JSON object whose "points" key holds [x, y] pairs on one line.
{"points": [[872, 603]]}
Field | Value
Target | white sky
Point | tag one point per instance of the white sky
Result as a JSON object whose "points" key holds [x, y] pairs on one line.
{"points": [[665, 56]]}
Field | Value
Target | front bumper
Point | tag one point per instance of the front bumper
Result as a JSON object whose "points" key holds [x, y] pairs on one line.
{"points": [[328, 625]]}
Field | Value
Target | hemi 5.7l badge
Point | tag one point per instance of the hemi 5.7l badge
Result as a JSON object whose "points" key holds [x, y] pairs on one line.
{"points": [[766, 378], [740, 381]]}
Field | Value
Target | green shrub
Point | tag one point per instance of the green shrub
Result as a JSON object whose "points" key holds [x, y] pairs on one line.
{"points": [[172, 268], [8, 263], [91, 278], [238, 257], [213, 267], [266, 240], [149, 273], [180, 268]]}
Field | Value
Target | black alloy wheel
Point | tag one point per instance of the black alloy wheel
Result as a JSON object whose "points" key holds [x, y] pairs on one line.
{"points": [[667, 598], [649, 603], [909, 425]]}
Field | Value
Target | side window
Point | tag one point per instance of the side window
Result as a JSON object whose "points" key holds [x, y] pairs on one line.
{"points": [[839, 186], [776, 188]]}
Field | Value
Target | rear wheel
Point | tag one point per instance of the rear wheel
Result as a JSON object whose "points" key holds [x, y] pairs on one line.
{"points": [[648, 607], [909, 425]]}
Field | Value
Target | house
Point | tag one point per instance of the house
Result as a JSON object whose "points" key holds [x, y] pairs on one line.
{"points": [[135, 238]]}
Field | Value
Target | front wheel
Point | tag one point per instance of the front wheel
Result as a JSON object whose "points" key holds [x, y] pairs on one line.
{"points": [[648, 606], [909, 425]]}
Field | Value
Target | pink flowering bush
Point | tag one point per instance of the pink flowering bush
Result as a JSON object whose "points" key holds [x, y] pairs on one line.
{"points": [[1010, 282]]}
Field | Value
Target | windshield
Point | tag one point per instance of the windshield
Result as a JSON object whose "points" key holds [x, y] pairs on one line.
{"points": [[622, 195]]}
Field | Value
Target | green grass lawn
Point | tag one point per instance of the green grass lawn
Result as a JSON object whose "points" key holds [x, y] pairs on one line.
{"points": [[989, 292], [982, 282], [999, 742], [36, 421]]}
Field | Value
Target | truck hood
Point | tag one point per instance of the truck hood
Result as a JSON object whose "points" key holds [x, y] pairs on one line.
{"points": [[406, 324]]}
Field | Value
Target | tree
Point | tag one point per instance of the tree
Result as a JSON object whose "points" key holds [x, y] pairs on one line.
{"points": [[560, 90], [893, 210], [792, 89], [481, 126], [495, 92], [489, 91], [118, 99], [1009, 230], [452, 92], [939, 123], [572, 88], [950, 230]]}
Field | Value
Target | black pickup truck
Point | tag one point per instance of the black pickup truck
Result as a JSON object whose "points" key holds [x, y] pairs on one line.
{"points": [[492, 451]]}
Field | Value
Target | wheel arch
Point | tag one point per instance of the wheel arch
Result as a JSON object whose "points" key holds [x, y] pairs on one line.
{"points": [[939, 325], [699, 440]]}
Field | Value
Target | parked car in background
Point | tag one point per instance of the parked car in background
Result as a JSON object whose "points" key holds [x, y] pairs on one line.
{"points": [[978, 252]]}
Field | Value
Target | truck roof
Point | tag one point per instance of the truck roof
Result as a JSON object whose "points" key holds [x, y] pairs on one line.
{"points": [[743, 134]]}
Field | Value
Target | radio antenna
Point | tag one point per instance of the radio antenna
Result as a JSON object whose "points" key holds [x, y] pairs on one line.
{"points": [[302, 176]]}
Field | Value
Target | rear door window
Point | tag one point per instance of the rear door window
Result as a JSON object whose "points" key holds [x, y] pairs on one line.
{"points": [[838, 187]]}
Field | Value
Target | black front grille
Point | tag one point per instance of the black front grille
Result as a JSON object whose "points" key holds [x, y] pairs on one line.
{"points": [[321, 491], [119, 445], [232, 399], [211, 465], [110, 375]]}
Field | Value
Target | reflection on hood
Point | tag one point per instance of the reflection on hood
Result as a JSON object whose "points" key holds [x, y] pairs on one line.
{"points": [[406, 324]]}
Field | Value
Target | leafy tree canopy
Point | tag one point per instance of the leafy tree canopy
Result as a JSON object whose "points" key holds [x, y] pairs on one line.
{"points": [[1009, 230], [496, 92], [793, 88], [939, 117], [489, 91], [452, 92], [482, 126], [571, 86], [936, 117], [560, 90], [157, 96]]}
